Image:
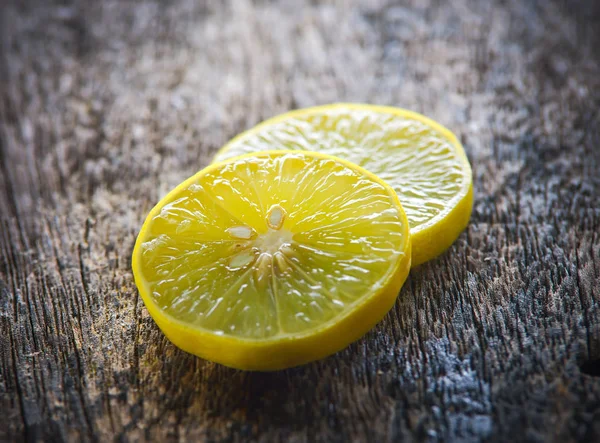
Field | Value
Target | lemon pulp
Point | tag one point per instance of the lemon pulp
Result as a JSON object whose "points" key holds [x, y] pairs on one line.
{"points": [[423, 161], [274, 259]]}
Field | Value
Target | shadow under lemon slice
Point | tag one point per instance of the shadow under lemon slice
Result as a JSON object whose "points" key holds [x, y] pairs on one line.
{"points": [[423, 161], [273, 259]]}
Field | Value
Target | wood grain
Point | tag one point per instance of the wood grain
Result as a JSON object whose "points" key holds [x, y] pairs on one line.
{"points": [[105, 106]]}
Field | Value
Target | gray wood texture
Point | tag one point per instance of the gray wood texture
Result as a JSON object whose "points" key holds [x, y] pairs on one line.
{"points": [[106, 105]]}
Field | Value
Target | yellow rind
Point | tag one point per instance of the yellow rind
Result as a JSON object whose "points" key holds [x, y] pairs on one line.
{"points": [[430, 239], [291, 349]]}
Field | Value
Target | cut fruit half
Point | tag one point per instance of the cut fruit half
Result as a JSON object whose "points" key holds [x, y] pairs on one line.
{"points": [[272, 260], [423, 161]]}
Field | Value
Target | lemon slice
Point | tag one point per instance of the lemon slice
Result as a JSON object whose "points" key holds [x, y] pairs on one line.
{"points": [[273, 259], [423, 161]]}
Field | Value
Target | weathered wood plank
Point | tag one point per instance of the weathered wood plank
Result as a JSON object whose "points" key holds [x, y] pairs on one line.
{"points": [[105, 106]]}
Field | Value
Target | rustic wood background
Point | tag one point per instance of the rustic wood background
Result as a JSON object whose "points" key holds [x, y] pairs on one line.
{"points": [[106, 105]]}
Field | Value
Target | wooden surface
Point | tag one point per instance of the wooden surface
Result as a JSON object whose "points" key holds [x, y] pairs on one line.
{"points": [[106, 105]]}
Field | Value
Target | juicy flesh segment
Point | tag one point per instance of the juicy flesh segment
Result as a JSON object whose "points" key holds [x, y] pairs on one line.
{"points": [[271, 245], [414, 158]]}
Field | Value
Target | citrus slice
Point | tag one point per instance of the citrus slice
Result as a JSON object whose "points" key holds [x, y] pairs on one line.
{"points": [[423, 161], [274, 259]]}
